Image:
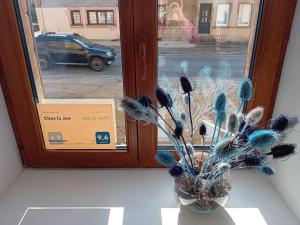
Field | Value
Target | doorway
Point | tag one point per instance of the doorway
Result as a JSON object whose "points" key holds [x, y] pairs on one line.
{"points": [[204, 18]]}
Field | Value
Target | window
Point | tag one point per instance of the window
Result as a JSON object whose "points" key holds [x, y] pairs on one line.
{"points": [[141, 61], [223, 11], [244, 14], [100, 17], [75, 17], [71, 45]]}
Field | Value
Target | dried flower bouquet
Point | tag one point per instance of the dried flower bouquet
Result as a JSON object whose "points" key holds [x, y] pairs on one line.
{"points": [[201, 177]]}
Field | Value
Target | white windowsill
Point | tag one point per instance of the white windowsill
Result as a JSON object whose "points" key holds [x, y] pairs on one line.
{"points": [[131, 197]]}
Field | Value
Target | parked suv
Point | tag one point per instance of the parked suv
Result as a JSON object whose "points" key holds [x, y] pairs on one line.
{"points": [[72, 49]]}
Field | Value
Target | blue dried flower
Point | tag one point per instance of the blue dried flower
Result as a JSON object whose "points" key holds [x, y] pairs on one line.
{"points": [[185, 84], [267, 170], [245, 90], [176, 170], [183, 116], [145, 100], [202, 130], [165, 158], [178, 129], [263, 138], [221, 117], [220, 103], [281, 151], [163, 98]]}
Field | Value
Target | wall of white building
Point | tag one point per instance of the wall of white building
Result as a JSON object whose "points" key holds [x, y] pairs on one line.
{"points": [[10, 163], [287, 180]]}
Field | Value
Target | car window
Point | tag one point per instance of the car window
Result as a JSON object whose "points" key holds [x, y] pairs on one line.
{"points": [[55, 45], [72, 45]]}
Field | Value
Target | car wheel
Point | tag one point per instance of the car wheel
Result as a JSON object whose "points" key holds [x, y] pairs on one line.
{"points": [[44, 63], [97, 64]]}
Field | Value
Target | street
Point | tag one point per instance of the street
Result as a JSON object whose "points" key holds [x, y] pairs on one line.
{"points": [[82, 82]]}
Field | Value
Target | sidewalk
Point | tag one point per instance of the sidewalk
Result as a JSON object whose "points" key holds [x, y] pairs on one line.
{"points": [[182, 47]]}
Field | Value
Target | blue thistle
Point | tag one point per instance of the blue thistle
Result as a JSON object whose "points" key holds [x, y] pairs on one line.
{"points": [[145, 101], [185, 84], [202, 130], [136, 110], [183, 116], [178, 129], [267, 170], [245, 90], [263, 138], [176, 170], [164, 98], [165, 158], [220, 103]]}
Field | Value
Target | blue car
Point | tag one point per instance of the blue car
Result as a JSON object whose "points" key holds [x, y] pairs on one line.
{"points": [[72, 49]]}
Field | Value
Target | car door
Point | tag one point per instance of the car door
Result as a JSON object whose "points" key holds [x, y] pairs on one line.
{"points": [[74, 53]]}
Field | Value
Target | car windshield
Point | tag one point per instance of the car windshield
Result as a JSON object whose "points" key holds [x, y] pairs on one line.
{"points": [[83, 40]]}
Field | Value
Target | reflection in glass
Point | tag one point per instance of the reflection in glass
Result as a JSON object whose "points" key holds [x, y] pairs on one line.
{"points": [[206, 42]]}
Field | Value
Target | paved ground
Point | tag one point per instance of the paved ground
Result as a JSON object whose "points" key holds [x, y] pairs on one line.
{"points": [[77, 82]]}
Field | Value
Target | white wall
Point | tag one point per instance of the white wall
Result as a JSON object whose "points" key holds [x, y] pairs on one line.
{"points": [[10, 163], [287, 180]]}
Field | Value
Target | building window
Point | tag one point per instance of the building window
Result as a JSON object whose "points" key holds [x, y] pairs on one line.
{"points": [[100, 17], [75, 17], [244, 14], [223, 11]]}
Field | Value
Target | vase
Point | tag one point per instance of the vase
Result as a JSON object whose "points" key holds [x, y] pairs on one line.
{"points": [[202, 195]]}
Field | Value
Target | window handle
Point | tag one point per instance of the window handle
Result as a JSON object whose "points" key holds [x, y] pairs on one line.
{"points": [[143, 58]]}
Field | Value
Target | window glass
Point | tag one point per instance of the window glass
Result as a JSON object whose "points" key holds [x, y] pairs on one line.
{"points": [[76, 17], [214, 58], [223, 12], [90, 77], [101, 17], [110, 17], [71, 45], [92, 17], [244, 14]]}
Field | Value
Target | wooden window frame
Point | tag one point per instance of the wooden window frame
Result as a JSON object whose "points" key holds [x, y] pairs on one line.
{"points": [[72, 17], [16, 86], [97, 17], [140, 37]]}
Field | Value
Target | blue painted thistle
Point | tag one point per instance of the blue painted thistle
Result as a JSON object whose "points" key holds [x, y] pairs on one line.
{"points": [[185, 84], [267, 170], [145, 101], [183, 116], [245, 90], [281, 151], [263, 138], [252, 160], [178, 129], [165, 158], [176, 170], [136, 110], [233, 124], [220, 103], [202, 129], [221, 117], [164, 98]]}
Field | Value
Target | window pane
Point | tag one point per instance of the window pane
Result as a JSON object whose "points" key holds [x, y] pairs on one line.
{"points": [[244, 14], [110, 17], [79, 66], [223, 11], [101, 16], [215, 58], [76, 17], [92, 17]]}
